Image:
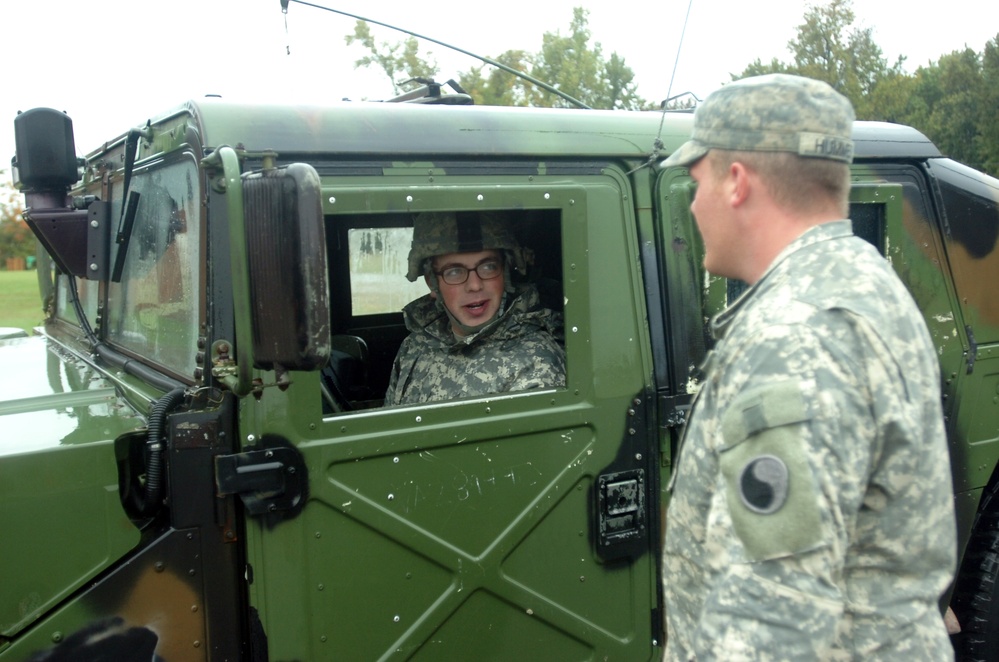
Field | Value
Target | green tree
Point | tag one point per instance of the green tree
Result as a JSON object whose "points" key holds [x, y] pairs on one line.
{"points": [[952, 101], [988, 126], [757, 68], [580, 70], [895, 99], [498, 87], [16, 239], [951, 97], [400, 61], [570, 62], [830, 48], [621, 91]]}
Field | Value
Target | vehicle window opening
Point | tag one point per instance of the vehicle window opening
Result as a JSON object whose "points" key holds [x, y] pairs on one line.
{"points": [[869, 223], [368, 257]]}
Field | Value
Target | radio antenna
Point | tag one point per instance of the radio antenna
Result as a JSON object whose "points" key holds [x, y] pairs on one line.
{"points": [[657, 144], [676, 61], [498, 65]]}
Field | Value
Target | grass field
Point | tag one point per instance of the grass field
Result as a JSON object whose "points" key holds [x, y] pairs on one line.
{"points": [[20, 303]]}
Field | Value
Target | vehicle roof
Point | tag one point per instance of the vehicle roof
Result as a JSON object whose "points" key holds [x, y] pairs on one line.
{"points": [[884, 139], [401, 129]]}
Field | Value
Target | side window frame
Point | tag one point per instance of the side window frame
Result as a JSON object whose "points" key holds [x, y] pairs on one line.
{"points": [[382, 329]]}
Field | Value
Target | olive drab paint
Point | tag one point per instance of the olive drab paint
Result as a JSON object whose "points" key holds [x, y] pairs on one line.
{"points": [[273, 508]]}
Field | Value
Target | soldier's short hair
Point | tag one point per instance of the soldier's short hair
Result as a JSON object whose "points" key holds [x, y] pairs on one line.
{"points": [[793, 182]]}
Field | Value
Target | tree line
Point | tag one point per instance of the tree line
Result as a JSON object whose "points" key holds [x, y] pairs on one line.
{"points": [[16, 239], [952, 100], [575, 65]]}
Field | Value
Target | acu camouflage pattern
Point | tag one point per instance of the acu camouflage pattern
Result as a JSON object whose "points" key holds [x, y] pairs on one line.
{"points": [[442, 233], [824, 366], [772, 113], [516, 353]]}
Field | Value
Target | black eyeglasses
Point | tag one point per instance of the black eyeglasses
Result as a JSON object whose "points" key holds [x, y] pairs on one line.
{"points": [[457, 274]]}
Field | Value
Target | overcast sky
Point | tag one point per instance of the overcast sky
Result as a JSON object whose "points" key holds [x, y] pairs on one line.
{"points": [[111, 64]]}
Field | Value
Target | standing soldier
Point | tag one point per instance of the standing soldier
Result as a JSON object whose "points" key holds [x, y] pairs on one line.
{"points": [[811, 513]]}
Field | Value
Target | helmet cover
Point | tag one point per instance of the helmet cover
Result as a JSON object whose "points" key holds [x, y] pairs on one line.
{"points": [[440, 233]]}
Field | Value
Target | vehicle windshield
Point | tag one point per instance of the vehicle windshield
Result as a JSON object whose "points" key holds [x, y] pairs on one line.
{"points": [[154, 310]]}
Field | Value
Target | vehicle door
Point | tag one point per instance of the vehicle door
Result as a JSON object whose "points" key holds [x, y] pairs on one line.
{"points": [[516, 525]]}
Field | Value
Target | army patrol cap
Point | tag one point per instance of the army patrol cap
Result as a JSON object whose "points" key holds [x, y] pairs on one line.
{"points": [[440, 233], [772, 113]]}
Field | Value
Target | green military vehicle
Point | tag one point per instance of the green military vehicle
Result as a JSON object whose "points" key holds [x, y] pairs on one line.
{"points": [[195, 463]]}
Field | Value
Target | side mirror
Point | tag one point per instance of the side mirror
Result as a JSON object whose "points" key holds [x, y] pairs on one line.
{"points": [[288, 276], [75, 232], [46, 151]]}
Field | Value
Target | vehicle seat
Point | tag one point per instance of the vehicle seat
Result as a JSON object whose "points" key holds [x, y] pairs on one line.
{"points": [[345, 377]]}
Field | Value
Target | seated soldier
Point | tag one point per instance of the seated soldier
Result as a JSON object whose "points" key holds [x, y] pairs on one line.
{"points": [[474, 333]]}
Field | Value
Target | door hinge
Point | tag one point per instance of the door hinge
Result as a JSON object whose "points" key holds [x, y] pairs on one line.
{"points": [[972, 348]]}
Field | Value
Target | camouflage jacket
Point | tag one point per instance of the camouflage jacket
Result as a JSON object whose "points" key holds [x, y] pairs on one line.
{"points": [[812, 510], [516, 353]]}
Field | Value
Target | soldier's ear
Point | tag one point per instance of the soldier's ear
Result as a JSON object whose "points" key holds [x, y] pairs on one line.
{"points": [[737, 186], [426, 279]]}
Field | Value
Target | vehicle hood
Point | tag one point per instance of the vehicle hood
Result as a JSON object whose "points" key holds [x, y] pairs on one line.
{"points": [[50, 397]]}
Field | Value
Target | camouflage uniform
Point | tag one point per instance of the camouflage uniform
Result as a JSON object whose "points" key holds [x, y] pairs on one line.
{"points": [[517, 353], [514, 351], [811, 514]]}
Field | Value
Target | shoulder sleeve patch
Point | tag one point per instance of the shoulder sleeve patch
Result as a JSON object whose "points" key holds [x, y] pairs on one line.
{"points": [[771, 491], [763, 484]]}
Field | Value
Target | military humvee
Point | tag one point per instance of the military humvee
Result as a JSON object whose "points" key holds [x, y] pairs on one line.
{"points": [[195, 463]]}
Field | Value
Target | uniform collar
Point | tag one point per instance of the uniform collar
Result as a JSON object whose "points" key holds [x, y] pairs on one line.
{"points": [[814, 235]]}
